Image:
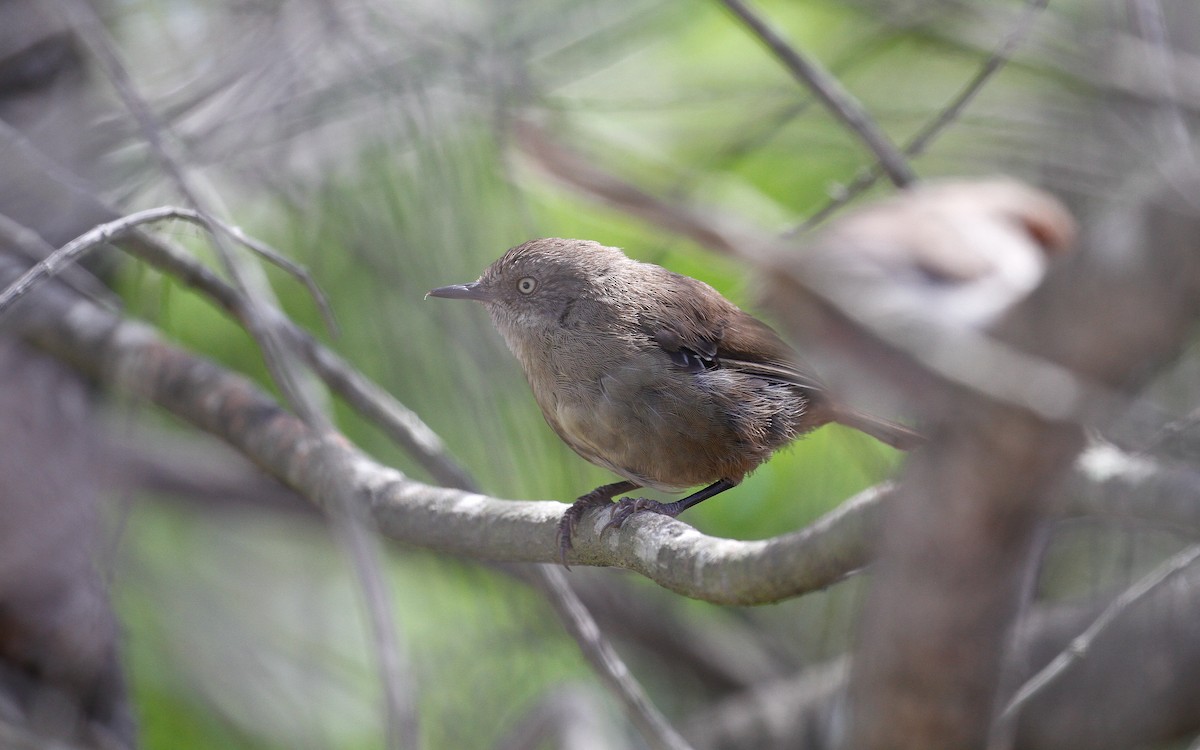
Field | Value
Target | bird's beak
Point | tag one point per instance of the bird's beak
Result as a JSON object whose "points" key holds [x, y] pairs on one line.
{"points": [[460, 291]]}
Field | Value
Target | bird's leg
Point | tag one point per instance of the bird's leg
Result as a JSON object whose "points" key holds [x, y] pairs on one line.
{"points": [[596, 498], [628, 506]]}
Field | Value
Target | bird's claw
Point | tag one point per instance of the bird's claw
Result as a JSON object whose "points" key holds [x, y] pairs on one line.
{"points": [[629, 506], [622, 510], [571, 517], [566, 527]]}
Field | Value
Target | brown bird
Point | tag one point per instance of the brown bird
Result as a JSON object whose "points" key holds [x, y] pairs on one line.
{"points": [[651, 374]]}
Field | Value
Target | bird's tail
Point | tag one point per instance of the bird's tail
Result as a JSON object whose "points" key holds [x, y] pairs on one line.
{"points": [[885, 431]]}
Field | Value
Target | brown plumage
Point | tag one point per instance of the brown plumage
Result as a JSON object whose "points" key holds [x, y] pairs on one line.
{"points": [[651, 374]]}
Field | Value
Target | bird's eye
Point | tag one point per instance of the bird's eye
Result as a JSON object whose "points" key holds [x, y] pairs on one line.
{"points": [[527, 285]]}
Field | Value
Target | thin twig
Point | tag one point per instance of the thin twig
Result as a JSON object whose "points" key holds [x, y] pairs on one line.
{"points": [[932, 129], [991, 66], [1079, 647], [826, 87], [401, 424], [91, 31], [30, 245], [606, 662], [710, 229], [762, 128], [68, 254], [271, 255], [59, 260], [1176, 434]]}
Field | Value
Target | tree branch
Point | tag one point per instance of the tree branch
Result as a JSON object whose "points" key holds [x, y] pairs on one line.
{"points": [[399, 422], [1082, 643], [1131, 650], [607, 662], [827, 88], [574, 614], [934, 127], [947, 586], [130, 356]]}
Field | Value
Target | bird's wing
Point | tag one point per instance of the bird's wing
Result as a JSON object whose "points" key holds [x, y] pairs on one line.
{"points": [[700, 330], [752, 346]]}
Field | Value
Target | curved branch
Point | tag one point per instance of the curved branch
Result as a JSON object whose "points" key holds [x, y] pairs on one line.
{"points": [[132, 356]]}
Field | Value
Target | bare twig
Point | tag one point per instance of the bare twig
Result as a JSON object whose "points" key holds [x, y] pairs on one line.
{"points": [[56, 262], [569, 717], [399, 422], [30, 245], [711, 230], [91, 31], [991, 66], [607, 664], [773, 713], [761, 128], [273, 256], [1080, 645], [827, 88], [934, 127], [1179, 439], [68, 254]]}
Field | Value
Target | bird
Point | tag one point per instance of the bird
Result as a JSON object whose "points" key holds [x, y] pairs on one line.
{"points": [[651, 374], [951, 254]]}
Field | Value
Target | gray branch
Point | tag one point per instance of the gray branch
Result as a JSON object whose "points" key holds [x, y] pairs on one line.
{"points": [[134, 358]]}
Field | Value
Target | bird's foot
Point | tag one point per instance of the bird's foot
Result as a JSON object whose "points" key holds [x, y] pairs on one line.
{"points": [[626, 507], [630, 506], [570, 519], [597, 498]]}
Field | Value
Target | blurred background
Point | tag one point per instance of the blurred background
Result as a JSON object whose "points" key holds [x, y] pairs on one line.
{"points": [[371, 141], [366, 140]]}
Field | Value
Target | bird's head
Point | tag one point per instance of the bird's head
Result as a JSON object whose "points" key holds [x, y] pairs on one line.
{"points": [[534, 285]]}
